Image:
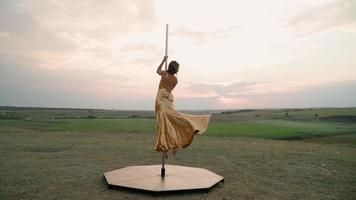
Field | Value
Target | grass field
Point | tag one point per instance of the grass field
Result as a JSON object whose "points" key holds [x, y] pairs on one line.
{"points": [[267, 129], [264, 156]]}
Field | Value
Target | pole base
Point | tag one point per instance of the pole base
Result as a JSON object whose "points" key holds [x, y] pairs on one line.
{"points": [[147, 178]]}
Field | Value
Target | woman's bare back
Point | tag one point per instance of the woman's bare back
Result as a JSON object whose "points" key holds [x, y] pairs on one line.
{"points": [[168, 81]]}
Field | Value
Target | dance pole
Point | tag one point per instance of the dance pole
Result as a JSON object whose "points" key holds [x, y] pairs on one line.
{"points": [[163, 170], [165, 67]]}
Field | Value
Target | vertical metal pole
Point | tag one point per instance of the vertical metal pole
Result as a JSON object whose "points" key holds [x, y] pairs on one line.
{"points": [[165, 67], [163, 170]]}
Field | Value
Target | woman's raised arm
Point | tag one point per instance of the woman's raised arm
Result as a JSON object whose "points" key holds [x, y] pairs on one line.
{"points": [[159, 69]]}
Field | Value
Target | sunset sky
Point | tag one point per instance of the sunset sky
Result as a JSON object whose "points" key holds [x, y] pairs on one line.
{"points": [[233, 54]]}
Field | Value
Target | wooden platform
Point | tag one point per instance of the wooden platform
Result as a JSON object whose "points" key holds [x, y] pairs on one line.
{"points": [[148, 178]]}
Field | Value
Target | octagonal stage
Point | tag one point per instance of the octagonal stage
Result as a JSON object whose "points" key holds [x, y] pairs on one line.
{"points": [[148, 178]]}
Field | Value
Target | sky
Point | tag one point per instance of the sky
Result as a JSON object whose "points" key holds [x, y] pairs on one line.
{"points": [[233, 54]]}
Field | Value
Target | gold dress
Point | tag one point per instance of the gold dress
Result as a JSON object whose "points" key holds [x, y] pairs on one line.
{"points": [[175, 130]]}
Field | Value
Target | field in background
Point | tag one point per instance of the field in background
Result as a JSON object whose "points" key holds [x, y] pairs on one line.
{"points": [[48, 153], [343, 114], [283, 124]]}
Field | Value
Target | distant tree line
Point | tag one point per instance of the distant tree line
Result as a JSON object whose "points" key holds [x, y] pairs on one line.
{"points": [[237, 111], [12, 115]]}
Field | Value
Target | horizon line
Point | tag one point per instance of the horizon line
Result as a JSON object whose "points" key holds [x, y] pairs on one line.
{"points": [[266, 108]]}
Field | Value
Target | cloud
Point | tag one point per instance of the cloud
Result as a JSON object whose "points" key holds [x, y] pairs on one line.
{"points": [[140, 47], [221, 89], [332, 94], [19, 75], [65, 48], [201, 37], [140, 54], [248, 95], [58, 49], [324, 17], [28, 86], [22, 33], [197, 103], [71, 33]]}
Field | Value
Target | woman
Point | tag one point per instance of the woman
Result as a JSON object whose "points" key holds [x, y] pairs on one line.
{"points": [[175, 130]]}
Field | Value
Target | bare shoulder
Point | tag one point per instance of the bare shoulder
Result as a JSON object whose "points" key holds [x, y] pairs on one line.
{"points": [[172, 76], [163, 73]]}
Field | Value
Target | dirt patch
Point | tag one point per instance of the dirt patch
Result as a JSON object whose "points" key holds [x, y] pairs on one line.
{"points": [[47, 149]]}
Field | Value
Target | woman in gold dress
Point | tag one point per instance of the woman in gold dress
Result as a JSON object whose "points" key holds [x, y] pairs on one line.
{"points": [[175, 130]]}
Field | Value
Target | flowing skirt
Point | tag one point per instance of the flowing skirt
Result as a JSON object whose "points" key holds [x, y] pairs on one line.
{"points": [[175, 130]]}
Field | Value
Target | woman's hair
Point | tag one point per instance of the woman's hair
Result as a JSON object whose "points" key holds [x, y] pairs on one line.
{"points": [[173, 67]]}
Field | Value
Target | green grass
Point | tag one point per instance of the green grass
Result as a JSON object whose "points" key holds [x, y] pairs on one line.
{"points": [[324, 112], [93, 125], [344, 140], [45, 164], [270, 158], [108, 125], [280, 129], [286, 114], [267, 129]]}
